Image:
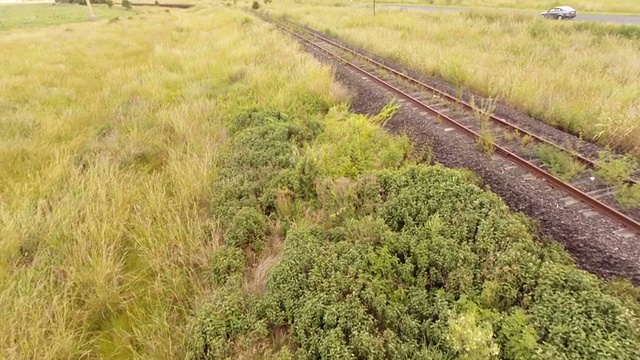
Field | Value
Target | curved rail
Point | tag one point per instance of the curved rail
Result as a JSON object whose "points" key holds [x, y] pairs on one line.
{"points": [[597, 205]]}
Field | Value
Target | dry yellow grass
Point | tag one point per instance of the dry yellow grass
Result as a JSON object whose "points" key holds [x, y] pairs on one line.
{"points": [[107, 145], [580, 77], [38, 15], [614, 6]]}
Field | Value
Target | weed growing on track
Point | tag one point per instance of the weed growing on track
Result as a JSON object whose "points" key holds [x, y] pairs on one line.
{"points": [[487, 140], [615, 170], [628, 195], [559, 163], [578, 77], [108, 139]]}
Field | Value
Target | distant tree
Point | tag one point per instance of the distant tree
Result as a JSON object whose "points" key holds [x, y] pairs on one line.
{"points": [[126, 4], [109, 3], [255, 5]]}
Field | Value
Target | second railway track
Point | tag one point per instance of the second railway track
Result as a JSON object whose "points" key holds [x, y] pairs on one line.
{"points": [[472, 120]]}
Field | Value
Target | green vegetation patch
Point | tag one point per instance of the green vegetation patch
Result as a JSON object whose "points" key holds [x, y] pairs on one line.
{"points": [[37, 15], [559, 163], [393, 260]]}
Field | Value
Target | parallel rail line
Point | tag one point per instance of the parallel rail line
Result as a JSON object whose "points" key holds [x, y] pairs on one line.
{"points": [[329, 47]]}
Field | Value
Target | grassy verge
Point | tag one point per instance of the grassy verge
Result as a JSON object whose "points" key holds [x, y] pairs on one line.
{"points": [[579, 77], [38, 15], [108, 139], [599, 6]]}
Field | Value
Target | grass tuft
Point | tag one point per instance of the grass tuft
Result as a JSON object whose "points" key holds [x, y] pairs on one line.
{"points": [[559, 163]]}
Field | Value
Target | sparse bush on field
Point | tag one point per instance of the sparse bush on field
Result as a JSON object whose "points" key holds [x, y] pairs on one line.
{"points": [[109, 3], [255, 5], [84, 2], [126, 4]]}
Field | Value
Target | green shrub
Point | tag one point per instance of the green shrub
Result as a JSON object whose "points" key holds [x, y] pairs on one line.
{"points": [[255, 5], [126, 4], [109, 3], [448, 273], [227, 265], [351, 146], [222, 320], [416, 262], [260, 160], [573, 316], [248, 229]]}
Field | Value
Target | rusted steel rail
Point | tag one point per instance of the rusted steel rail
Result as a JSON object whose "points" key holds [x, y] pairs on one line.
{"points": [[496, 119], [578, 194]]}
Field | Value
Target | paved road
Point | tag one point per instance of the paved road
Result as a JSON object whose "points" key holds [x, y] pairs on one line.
{"points": [[608, 18]]}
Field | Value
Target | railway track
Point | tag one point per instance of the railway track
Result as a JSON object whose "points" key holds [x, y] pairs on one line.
{"points": [[494, 133]]}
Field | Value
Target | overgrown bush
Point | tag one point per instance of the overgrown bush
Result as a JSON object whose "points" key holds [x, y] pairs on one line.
{"points": [[451, 274], [410, 263], [248, 229], [227, 265], [261, 160], [223, 319]]}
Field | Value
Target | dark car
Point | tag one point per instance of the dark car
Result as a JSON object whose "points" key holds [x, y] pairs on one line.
{"points": [[560, 13]]}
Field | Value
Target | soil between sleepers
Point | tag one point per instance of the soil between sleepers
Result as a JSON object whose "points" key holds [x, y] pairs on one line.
{"points": [[589, 239]]}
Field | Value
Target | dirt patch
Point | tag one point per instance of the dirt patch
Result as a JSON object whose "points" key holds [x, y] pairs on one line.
{"points": [[255, 279]]}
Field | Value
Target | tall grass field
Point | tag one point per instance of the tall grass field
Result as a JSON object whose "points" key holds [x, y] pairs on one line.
{"points": [[600, 6], [580, 77], [190, 184]]}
